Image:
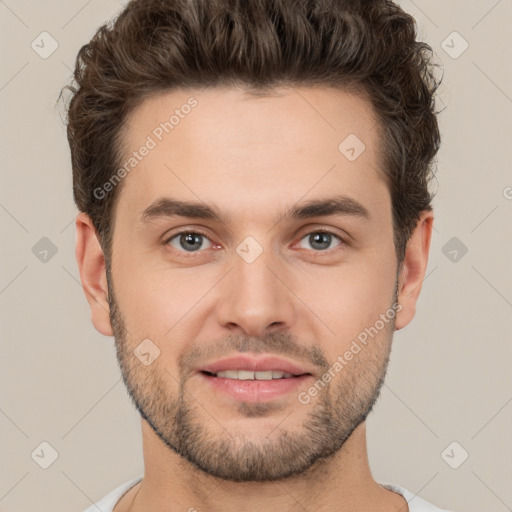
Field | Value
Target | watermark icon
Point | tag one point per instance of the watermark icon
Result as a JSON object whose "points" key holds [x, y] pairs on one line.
{"points": [[507, 193], [454, 455], [352, 147], [44, 250], [455, 45], [146, 352], [454, 249], [304, 397], [44, 455], [249, 249], [44, 45], [151, 142]]}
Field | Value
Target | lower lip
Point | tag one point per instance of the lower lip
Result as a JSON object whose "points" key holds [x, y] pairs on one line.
{"points": [[255, 390]]}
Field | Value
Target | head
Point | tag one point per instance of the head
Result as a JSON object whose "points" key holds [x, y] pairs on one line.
{"points": [[264, 114]]}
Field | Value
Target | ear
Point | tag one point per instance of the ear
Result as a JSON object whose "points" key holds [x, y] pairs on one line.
{"points": [[414, 267], [91, 264]]}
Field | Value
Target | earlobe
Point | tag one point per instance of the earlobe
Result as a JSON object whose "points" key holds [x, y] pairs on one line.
{"points": [[413, 269], [91, 265]]}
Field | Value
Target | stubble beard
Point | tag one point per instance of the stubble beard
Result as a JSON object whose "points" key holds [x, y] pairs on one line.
{"points": [[183, 424]]}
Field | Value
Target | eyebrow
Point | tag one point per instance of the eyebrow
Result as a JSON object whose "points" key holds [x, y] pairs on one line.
{"points": [[338, 205]]}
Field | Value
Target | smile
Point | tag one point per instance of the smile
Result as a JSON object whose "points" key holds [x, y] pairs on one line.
{"points": [[251, 375]]}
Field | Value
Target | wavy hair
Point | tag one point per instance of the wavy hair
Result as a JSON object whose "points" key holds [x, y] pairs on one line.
{"points": [[365, 46]]}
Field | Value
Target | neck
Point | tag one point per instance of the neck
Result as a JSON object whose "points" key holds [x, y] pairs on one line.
{"points": [[341, 483]]}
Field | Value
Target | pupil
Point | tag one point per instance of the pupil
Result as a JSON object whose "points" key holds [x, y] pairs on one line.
{"points": [[190, 238], [322, 239]]}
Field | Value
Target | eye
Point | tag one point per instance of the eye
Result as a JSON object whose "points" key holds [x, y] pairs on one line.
{"points": [[194, 241], [321, 240], [188, 241]]}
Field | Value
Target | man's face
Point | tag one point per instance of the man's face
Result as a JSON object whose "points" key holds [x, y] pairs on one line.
{"points": [[254, 282]]}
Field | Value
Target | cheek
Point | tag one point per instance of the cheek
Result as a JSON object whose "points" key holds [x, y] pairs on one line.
{"points": [[158, 301], [351, 297]]}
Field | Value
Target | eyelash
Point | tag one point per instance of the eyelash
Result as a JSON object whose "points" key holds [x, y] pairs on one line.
{"points": [[199, 232]]}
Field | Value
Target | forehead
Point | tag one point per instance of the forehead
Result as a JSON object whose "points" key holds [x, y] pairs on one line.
{"points": [[244, 152]]}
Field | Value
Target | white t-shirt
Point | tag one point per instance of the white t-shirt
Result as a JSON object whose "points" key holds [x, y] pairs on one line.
{"points": [[107, 504]]}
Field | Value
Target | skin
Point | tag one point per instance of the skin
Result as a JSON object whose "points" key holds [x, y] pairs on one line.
{"points": [[252, 159]]}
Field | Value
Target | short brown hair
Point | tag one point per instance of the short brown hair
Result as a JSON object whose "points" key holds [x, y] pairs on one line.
{"points": [[367, 46]]}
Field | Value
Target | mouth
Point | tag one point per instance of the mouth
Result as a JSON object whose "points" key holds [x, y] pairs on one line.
{"points": [[255, 379], [252, 375]]}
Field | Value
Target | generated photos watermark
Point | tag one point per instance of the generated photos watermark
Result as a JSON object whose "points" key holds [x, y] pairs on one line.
{"points": [[343, 360], [151, 142]]}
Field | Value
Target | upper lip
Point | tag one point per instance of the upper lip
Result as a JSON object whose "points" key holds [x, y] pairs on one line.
{"points": [[256, 364]]}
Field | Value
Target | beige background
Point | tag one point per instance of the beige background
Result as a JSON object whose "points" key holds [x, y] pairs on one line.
{"points": [[449, 378]]}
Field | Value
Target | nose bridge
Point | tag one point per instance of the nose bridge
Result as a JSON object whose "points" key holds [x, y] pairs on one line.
{"points": [[254, 296]]}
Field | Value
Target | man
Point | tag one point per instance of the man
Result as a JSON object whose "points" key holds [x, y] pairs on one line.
{"points": [[255, 222]]}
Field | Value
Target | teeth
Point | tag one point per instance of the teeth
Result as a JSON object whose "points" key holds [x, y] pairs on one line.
{"points": [[248, 375]]}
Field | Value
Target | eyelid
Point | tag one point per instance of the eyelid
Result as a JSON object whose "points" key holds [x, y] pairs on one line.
{"points": [[166, 237], [322, 228]]}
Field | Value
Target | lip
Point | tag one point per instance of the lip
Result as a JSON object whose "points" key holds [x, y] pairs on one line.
{"points": [[255, 390], [256, 364]]}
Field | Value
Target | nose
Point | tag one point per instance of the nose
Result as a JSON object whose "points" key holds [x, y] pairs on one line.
{"points": [[255, 298]]}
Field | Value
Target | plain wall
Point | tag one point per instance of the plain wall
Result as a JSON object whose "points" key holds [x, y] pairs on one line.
{"points": [[449, 378]]}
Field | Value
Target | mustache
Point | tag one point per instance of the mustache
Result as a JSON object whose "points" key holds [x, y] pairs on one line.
{"points": [[276, 343]]}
